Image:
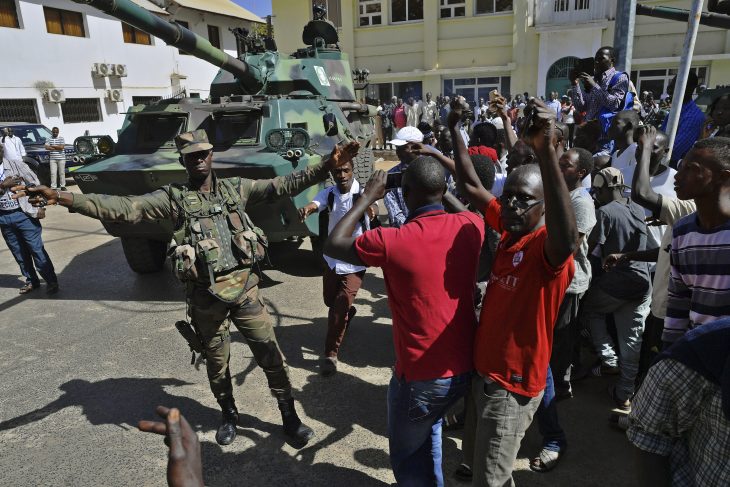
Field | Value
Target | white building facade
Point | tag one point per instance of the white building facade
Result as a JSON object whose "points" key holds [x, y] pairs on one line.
{"points": [[60, 50]]}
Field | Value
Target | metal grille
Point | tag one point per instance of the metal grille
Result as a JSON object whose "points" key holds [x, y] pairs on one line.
{"points": [[76, 110], [145, 100], [19, 110], [562, 67]]}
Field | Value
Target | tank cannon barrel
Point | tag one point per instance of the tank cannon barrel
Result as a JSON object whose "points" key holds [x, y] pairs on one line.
{"points": [[177, 36]]}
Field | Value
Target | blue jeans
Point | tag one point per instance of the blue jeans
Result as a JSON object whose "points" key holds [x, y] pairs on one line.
{"points": [[23, 236], [553, 436], [415, 410]]}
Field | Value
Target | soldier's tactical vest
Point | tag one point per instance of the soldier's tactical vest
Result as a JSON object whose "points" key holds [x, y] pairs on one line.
{"points": [[217, 230]]}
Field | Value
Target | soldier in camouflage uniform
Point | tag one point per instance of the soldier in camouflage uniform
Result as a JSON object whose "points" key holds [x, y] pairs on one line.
{"points": [[217, 248]]}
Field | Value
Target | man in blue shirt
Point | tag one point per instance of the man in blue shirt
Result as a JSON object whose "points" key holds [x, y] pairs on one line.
{"points": [[691, 120]]}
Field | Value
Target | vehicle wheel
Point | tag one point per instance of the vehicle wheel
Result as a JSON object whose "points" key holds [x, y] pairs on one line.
{"points": [[143, 255], [41, 171], [364, 165]]}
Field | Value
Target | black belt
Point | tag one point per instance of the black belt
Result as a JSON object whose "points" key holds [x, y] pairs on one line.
{"points": [[7, 212]]}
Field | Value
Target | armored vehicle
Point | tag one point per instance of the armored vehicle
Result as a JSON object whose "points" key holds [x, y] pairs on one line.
{"points": [[268, 115]]}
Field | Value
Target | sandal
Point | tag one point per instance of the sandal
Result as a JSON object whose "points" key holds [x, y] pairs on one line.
{"points": [[546, 460], [27, 288]]}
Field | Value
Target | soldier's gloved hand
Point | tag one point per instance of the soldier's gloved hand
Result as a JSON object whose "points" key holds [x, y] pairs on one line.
{"points": [[375, 187], [184, 465], [341, 155], [37, 195]]}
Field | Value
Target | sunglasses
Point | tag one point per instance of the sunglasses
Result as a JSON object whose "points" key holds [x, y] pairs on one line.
{"points": [[196, 156], [521, 204]]}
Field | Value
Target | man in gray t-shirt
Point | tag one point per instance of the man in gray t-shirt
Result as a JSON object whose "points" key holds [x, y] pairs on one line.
{"points": [[575, 164], [624, 290]]}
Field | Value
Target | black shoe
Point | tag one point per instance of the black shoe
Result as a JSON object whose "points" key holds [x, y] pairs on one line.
{"points": [[297, 431], [463, 473], [227, 430], [328, 366], [52, 288], [63, 188]]}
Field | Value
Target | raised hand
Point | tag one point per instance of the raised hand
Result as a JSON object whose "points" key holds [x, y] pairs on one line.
{"points": [[307, 210], [647, 137], [184, 465], [341, 155], [375, 187], [421, 149], [540, 133]]}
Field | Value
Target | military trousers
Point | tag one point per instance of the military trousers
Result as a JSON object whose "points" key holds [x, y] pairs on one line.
{"points": [[252, 319]]}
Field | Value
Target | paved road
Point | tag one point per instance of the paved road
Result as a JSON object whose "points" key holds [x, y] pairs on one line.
{"points": [[79, 370]]}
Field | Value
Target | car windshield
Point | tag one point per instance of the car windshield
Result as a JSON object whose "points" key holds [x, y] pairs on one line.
{"points": [[32, 134]]}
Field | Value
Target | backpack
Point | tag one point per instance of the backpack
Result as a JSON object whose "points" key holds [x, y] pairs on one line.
{"points": [[221, 236], [605, 115]]}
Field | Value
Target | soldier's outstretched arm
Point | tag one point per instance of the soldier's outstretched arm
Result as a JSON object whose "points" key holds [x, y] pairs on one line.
{"points": [[132, 209], [266, 190]]}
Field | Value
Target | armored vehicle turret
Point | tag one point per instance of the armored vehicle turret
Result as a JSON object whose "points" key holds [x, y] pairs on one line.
{"points": [[268, 114]]}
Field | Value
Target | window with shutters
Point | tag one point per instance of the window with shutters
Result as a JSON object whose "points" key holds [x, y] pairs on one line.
{"points": [[77, 110], [135, 36], [9, 14], [64, 22], [19, 110], [214, 36]]}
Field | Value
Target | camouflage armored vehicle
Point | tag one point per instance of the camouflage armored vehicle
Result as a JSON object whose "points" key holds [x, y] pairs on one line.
{"points": [[268, 115]]}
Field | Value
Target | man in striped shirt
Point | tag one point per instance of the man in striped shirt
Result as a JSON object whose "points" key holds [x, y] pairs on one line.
{"points": [[56, 146], [699, 284]]}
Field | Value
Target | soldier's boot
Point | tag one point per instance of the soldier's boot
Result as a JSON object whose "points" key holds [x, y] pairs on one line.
{"points": [[293, 426], [227, 430]]}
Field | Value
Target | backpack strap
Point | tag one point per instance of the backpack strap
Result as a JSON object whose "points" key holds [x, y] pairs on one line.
{"points": [[331, 199]]}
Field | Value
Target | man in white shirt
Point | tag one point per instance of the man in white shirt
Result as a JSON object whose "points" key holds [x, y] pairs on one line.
{"points": [[430, 111], [414, 110], [13, 149], [340, 280], [621, 132]]}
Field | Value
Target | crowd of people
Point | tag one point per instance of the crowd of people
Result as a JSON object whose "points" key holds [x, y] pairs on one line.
{"points": [[563, 242]]}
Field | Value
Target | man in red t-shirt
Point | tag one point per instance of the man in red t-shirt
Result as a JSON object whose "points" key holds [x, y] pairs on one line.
{"points": [[429, 265], [532, 269]]}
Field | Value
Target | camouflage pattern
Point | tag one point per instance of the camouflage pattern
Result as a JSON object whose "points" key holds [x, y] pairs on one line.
{"points": [[208, 312], [268, 89], [254, 322], [157, 208]]}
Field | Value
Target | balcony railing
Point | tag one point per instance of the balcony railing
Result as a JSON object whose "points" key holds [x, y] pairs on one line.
{"points": [[572, 12]]}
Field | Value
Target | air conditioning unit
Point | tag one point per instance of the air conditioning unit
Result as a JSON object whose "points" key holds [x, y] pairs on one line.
{"points": [[102, 69], [114, 95], [54, 95], [119, 70]]}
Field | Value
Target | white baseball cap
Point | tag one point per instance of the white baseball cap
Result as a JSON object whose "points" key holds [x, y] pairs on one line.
{"points": [[405, 135]]}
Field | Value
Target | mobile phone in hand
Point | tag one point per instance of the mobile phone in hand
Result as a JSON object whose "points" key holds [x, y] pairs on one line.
{"points": [[393, 180]]}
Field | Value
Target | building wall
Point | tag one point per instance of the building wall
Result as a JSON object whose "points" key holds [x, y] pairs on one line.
{"points": [[66, 63], [506, 44]]}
